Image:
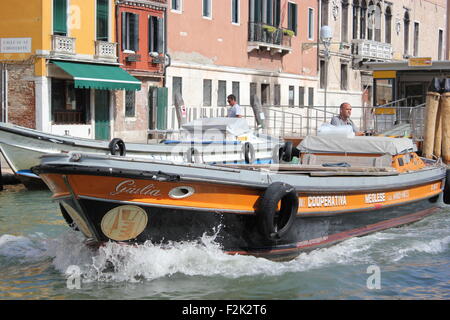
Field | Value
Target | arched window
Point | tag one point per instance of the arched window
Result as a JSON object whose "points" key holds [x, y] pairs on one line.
{"points": [[378, 23], [344, 22], [355, 18], [406, 33], [388, 25], [370, 21], [362, 26]]}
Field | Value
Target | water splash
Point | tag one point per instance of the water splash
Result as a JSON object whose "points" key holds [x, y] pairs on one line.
{"points": [[149, 261]]}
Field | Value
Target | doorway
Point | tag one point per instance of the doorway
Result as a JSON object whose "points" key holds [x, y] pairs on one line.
{"points": [[102, 124]]}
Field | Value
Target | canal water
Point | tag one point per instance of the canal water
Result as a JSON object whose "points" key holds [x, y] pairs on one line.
{"points": [[41, 258]]}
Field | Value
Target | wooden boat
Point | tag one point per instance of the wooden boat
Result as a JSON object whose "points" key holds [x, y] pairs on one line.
{"points": [[342, 188], [211, 140]]}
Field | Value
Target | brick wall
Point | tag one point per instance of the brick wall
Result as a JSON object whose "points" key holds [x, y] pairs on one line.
{"points": [[21, 95]]}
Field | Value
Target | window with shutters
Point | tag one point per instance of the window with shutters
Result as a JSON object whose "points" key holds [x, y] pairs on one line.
{"points": [[130, 31], [155, 34], [60, 17], [301, 96], [235, 90], [102, 20]]}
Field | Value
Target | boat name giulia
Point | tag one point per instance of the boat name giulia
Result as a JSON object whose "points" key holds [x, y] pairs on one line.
{"points": [[327, 201], [375, 197], [129, 186]]}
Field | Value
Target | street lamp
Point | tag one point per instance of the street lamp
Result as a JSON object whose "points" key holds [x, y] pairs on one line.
{"points": [[326, 34]]}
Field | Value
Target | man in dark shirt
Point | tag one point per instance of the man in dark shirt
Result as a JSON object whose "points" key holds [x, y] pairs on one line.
{"points": [[343, 119]]}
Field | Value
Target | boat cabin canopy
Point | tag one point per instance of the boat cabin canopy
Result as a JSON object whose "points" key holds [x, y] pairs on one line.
{"points": [[234, 126], [358, 145]]}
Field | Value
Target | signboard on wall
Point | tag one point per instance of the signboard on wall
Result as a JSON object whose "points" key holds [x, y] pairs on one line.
{"points": [[420, 62], [15, 45]]}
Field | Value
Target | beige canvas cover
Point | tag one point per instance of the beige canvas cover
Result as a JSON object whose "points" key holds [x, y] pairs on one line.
{"points": [[357, 144]]}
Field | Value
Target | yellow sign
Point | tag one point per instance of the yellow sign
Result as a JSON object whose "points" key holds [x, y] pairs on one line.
{"points": [[384, 74], [419, 62], [124, 222]]}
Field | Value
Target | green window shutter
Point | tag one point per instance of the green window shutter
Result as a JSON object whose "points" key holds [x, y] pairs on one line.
{"points": [[161, 111], [102, 19], [60, 17]]}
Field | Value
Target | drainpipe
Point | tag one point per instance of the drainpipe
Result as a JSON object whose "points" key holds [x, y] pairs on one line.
{"points": [[166, 65]]}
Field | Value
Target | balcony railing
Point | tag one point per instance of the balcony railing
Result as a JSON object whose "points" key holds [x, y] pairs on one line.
{"points": [[63, 44], [262, 35], [105, 50], [371, 50]]}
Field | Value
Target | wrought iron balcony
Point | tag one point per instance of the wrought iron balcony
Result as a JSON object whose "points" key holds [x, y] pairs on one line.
{"points": [[63, 44], [262, 36], [105, 50], [371, 50]]}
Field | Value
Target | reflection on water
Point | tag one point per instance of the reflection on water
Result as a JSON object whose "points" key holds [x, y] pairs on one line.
{"points": [[37, 248]]}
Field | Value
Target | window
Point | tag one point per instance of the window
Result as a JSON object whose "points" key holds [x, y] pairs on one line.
{"points": [[301, 96], [70, 105], [177, 86], [207, 90], [291, 96], [176, 5], [440, 44], [344, 22], [222, 93], [265, 94], [130, 31], [377, 21], [235, 11], [60, 17], [406, 33], [235, 90], [130, 103], [310, 24], [207, 9], [388, 25], [323, 74], [416, 39], [324, 13], [311, 97], [355, 18], [292, 17], [362, 25], [253, 92], [344, 76], [102, 20], [370, 21], [155, 34], [277, 95]]}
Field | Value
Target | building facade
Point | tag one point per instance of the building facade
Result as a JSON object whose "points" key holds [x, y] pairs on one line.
{"points": [[141, 30], [60, 67], [244, 47], [375, 31]]}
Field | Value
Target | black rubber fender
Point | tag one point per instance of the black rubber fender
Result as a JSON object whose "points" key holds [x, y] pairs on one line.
{"points": [[117, 146], [249, 152], [273, 224], [286, 152], [447, 187]]}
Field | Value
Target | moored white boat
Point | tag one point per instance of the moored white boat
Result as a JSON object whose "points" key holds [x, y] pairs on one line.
{"points": [[269, 210], [214, 140]]}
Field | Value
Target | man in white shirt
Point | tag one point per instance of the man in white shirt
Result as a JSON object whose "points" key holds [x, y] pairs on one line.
{"points": [[235, 110]]}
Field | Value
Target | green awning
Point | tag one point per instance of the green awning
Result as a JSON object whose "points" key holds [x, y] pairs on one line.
{"points": [[96, 76]]}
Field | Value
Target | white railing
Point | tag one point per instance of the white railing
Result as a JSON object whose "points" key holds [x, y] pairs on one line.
{"points": [[63, 44], [105, 50], [367, 49]]}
